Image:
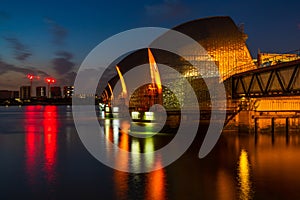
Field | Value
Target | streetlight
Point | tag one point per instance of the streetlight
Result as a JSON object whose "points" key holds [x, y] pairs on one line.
{"points": [[31, 77], [49, 81]]}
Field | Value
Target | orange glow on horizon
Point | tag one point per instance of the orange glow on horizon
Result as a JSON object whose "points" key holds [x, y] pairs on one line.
{"points": [[124, 89], [155, 76]]}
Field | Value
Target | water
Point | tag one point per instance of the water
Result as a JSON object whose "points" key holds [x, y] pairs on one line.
{"points": [[43, 158]]}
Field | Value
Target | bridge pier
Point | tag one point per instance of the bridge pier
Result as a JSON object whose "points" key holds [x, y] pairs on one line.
{"points": [[245, 121]]}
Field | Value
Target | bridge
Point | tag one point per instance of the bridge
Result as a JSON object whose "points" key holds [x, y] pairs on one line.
{"points": [[270, 92], [270, 84], [282, 79]]}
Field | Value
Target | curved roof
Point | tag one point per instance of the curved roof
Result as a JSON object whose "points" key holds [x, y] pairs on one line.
{"points": [[223, 41]]}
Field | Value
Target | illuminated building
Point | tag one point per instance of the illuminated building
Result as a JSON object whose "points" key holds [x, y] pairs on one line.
{"points": [[55, 92], [268, 59], [68, 91], [25, 92], [225, 44], [41, 91]]}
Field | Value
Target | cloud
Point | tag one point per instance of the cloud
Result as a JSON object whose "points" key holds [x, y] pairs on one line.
{"points": [[6, 67], [63, 64], [21, 51], [167, 9], [58, 32], [68, 79]]}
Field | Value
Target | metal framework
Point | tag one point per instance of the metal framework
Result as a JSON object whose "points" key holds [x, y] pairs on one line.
{"points": [[282, 79]]}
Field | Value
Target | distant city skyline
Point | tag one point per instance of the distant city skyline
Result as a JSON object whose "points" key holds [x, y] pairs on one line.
{"points": [[52, 38]]}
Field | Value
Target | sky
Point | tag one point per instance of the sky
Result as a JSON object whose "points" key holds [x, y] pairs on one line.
{"points": [[51, 38]]}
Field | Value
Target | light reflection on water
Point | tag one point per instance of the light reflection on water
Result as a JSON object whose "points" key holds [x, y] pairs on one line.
{"points": [[41, 155], [244, 176], [41, 129]]}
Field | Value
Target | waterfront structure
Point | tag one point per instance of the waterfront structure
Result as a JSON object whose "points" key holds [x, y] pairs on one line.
{"points": [[225, 54], [269, 59], [25, 92], [68, 91], [7, 94], [41, 92], [250, 85], [224, 42], [55, 92]]}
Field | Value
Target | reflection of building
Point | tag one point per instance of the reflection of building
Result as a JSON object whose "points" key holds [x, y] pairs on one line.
{"points": [[25, 92], [68, 91], [55, 92], [41, 91], [6, 94]]}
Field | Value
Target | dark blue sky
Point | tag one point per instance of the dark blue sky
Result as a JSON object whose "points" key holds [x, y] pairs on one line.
{"points": [[43, 36]]}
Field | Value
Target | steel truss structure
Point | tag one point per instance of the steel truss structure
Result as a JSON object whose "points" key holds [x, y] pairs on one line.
{"points": [[282, 79]]}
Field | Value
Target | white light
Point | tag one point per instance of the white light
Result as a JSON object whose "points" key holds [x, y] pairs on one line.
{"points": [[135, 115], [115, 109], [149, 116]]}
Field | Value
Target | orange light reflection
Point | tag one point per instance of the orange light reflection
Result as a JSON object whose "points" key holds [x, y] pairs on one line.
{"points": [[156, 184]]}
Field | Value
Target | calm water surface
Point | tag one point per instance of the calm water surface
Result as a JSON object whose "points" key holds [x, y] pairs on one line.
{"points": [[43, 158]]}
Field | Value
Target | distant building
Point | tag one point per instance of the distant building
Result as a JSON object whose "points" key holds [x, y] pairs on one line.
{"points": [[41, 91], [268, 59], [55, 92], [68, 91], [15, 94], [5, 94], [25, 92]]}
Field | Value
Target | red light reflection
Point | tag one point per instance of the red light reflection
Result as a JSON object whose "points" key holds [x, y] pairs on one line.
{"points": [[39, 157], [50, 137]]}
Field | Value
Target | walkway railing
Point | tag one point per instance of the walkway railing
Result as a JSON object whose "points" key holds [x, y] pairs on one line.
{"points": [[284, 57]]}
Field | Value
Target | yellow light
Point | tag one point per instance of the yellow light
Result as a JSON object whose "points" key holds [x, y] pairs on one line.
{"points": [[135, 115], [124, 89], [112, 94], [149, 116], [244, 176], [155, 76], [149, 145]]}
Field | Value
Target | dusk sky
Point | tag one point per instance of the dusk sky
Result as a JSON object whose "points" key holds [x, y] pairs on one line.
{"points": [[51, 38]]}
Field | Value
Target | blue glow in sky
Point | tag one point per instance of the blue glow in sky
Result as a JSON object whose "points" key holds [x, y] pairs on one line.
{"points": [[53, 37]]}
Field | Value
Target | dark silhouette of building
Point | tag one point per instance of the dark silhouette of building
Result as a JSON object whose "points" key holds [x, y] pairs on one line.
{"points": [[55, 92], [6, 94], [25, 92], [41, 91]]}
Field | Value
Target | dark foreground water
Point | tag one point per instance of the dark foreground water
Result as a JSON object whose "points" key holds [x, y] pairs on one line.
{"points": [[41, 157]]}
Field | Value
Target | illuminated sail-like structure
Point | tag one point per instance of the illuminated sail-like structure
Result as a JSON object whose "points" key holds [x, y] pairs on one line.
{"points": [[224, 46], [124, 88], [155, 76]]}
